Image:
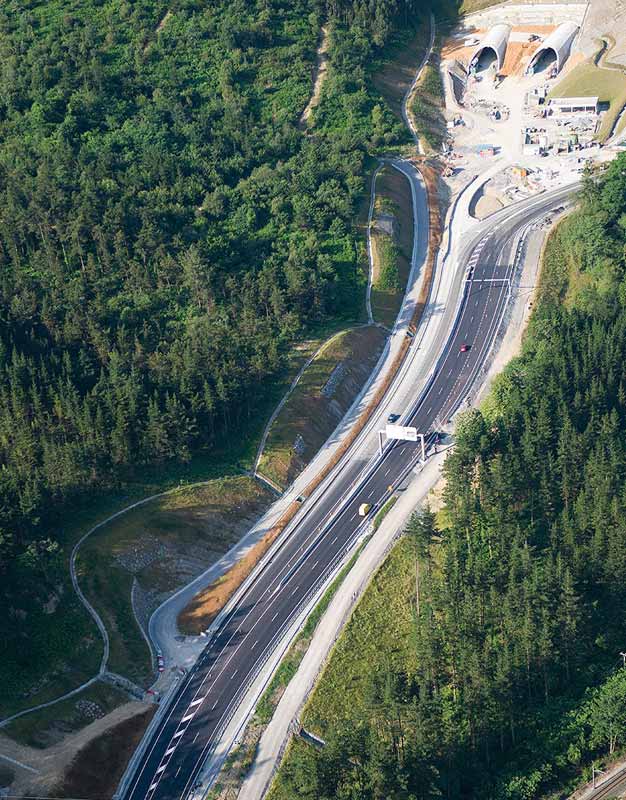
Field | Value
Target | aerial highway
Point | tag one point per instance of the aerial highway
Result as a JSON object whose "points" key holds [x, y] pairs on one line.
{"points": [[191, 728]]}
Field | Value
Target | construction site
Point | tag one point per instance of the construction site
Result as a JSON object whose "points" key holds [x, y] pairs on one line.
{"points": [[513, 77]]}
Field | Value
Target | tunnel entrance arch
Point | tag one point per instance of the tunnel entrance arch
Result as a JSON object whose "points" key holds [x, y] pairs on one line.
{"points": [[555, 49], [484, 59], [491, 48]]}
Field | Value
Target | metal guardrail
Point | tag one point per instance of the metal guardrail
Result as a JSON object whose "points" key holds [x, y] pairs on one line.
{"points": [[131, 767]]}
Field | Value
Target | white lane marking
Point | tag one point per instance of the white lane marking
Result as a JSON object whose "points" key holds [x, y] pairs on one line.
{"points": [[234, 673], [274, 617], [177, 771], [153, 786], [160, 769], [294, 591], [334, 540], [186, 719], [353, 516], [194, 739], [256, 641], [169, 752], [314, 565], [388, 471], [214, 704], [176, 735], [196, 702]]}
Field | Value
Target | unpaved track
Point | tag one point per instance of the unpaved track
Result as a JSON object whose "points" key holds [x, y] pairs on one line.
{"points": [[321, 70], [49, 765]]}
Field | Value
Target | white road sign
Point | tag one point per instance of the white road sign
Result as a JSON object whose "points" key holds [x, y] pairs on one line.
{"points": [[401, 432]]}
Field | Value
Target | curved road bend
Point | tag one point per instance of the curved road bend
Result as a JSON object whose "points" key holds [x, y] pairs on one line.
{"points": [[209, 696]]}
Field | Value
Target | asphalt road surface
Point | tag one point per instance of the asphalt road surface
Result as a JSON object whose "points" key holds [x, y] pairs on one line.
{"points": [[211, 692]]}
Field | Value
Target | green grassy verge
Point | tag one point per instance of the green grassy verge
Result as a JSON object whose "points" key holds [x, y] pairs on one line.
{"points": [[162, 545], [427, 108], [324, 393], [49, 725], [391, 253], [590, 80], [384, 511]]}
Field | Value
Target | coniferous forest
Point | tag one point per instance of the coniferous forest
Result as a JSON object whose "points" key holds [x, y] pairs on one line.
{"points": [[167, 231], [486, 662]]}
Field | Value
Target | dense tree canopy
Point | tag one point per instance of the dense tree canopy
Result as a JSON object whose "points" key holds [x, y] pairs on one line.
{"points": [[166, 231], [518, 593]]}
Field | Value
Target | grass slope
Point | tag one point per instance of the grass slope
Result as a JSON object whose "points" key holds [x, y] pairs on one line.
{"points": [[162, 545], [391, 254], [589, 80], [324, 393], [48, 726]]}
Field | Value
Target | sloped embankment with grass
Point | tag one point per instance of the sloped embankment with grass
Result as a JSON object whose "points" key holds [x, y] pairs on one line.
{"points": [[426, 105], [395, 73], [588, 79], [392, 244], [322, 396], [484, 659], [128, 567]]}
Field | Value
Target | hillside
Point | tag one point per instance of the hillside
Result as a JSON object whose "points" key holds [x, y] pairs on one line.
{"points": [[167, 232], [484, 660]]}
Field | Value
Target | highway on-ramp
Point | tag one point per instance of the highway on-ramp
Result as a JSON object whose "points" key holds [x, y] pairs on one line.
{"points": [[205, 702]]}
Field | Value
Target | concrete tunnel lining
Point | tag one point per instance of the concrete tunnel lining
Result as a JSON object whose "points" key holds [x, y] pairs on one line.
{"points": [[559, 42], [496, 40]]}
